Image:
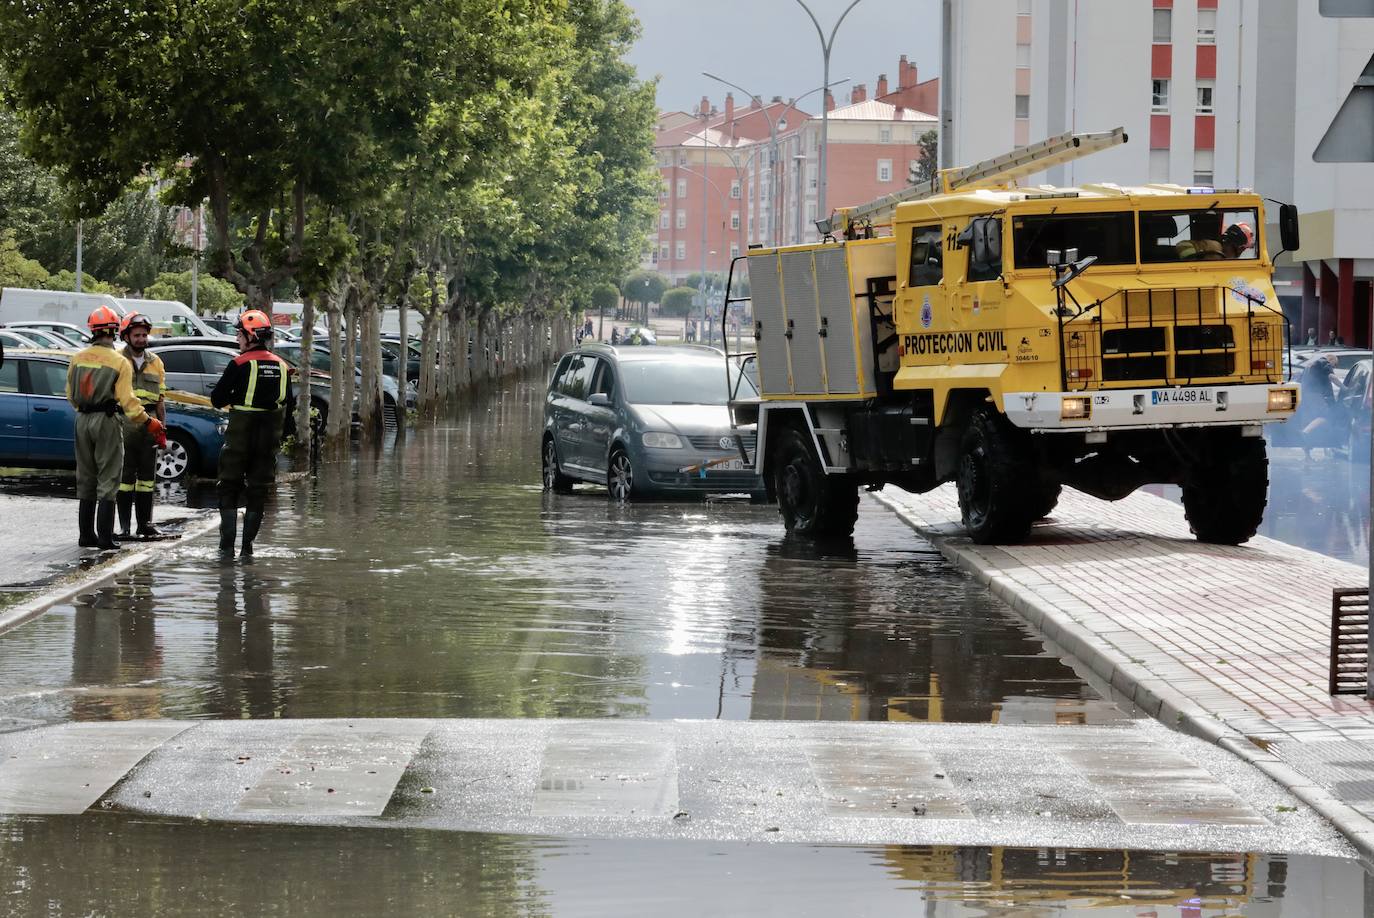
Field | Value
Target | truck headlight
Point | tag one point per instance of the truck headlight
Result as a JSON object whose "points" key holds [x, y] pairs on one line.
{"points": [[1283, 399], [656, 440], [1075, 408]]}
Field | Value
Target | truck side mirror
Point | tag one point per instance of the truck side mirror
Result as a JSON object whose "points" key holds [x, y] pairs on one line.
{"points": [[1288, 227]]}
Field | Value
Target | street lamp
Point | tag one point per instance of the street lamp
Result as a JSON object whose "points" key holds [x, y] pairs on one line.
{"points": [[826, 45], [797, 160]]}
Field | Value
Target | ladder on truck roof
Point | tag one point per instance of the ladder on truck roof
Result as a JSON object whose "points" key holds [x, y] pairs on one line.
{"points": [[998, 172]]}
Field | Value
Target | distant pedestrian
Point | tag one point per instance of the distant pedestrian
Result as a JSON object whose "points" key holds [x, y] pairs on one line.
{"points": [[1317, 405], [140, 448], [100, 386], [256, 388], [1311, 337], [588, 331], [615, 335]]}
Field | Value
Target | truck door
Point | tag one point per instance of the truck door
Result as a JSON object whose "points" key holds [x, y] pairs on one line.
{"points": [[924, 281], [14, 413], [977, 308]]}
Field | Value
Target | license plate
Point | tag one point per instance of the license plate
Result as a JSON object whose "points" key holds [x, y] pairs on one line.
{"points": [[1181, 396], [731, 465]]}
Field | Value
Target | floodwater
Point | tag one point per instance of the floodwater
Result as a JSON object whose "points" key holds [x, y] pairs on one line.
{"points": [[433, 578], [102, 864]]}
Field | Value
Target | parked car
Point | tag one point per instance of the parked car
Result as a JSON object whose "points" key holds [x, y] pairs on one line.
{"points": [[48, 340], [1355, 399], [13, 339], [197, 367], [37, 423], [643, 420], [320, 360], [73, 333]]}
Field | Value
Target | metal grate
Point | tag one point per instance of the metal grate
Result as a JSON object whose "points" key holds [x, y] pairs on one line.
{"points": [[713, 441], [1349, 642]]}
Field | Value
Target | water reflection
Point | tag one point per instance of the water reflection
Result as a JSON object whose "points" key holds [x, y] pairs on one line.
{"points": [[82, 866], [433, 578]]}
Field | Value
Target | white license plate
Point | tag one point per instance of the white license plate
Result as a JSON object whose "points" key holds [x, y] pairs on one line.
{"points": [[730, 465], [1182, 396]]}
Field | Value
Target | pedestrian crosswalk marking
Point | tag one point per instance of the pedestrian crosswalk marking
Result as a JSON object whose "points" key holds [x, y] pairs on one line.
{"points": [[71, 766], [879, 778], [604, 771], [339, 768]]}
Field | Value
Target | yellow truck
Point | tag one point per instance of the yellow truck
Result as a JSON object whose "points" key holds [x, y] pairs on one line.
{"points": [[1015, 340]]}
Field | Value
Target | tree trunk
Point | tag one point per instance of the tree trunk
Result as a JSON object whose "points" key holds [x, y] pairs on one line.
{"points": [[338, 422], [304, 432]]}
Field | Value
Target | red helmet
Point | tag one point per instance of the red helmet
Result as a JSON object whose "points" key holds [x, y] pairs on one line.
{"points": [[103, 321], [255, 326], [1239, 235], [134, 319]]}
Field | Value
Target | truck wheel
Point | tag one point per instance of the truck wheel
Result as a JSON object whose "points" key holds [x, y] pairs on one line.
{"points": [[812, 503], [1224, 495], [993, 470]]}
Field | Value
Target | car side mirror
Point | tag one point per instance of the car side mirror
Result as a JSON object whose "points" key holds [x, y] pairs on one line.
{"points": [[1288, 227], [599, 400]]}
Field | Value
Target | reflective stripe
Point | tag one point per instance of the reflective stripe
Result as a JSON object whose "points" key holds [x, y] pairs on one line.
{"points": [[248, 408], [252, 383], [142, 487], [125, 487]]}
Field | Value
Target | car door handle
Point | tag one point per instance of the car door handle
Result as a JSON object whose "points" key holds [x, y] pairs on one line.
{"points": [[40, 407]]}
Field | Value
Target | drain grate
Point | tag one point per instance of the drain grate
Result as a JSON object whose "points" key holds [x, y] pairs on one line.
{"points": [[1349, 642]]}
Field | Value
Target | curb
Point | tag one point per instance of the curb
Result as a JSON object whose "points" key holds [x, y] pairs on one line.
{"points": [[1135, 682], [28, 610]]}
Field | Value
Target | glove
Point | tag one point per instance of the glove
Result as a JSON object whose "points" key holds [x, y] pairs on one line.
{"points": [[159, 432]]}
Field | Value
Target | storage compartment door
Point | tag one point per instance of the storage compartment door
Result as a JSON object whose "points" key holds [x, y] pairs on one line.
{"points": [[803, 322], [770, 323], [837, 305]]}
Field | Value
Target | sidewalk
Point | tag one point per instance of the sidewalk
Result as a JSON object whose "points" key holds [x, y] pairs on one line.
{"points": [[1226, 643]]}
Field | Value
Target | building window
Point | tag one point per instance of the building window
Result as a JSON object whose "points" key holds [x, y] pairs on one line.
{"points": [[663, 220], [1159, 102], [682, 158], [811, 211], [734, 189], [1207, 27], [734, 219], [663, 251], [1159, 165], [1204, 96], [1202, 167], [884, 170], [1164, 26], [811, 176], [885, 134], [1023, 7], [750, 230], [682, 188], [663, 189], [1023, 55], [682, 219], [1022, 106], [734, 250], [682, 251]]}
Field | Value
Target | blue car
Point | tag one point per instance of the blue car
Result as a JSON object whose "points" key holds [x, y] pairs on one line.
{"points": [[37, 423]]}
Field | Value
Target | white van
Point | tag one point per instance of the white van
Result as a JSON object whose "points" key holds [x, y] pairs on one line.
{"points": [[19, 304], [171, 318]]}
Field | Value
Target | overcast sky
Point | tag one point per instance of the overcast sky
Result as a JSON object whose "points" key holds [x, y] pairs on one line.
{"points": [[770, 46]]}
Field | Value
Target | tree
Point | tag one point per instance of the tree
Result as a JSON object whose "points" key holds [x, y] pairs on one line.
{"points": [[644, 286], [605, 297], [213, 296], [929, 162], [66, 280], [15, 269], [679, 301]]}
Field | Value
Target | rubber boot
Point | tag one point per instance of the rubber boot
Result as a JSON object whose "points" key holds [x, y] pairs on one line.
{"points": [[228, 526], [124, 503], [85, 520], [143, 509], [252, 522], [104, 525]]}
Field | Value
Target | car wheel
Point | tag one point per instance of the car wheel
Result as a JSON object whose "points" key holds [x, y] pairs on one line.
{"points": [[391, 416], [620, 476], [554, 479], [179, 458]]}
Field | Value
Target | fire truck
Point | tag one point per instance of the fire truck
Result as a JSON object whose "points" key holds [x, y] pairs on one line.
{"points": [[1015, 340]]}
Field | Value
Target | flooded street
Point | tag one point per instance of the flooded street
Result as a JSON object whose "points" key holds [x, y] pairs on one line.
{"points": [[434, 579]]}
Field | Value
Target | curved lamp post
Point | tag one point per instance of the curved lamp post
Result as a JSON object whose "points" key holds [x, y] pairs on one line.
{"points": [[827, 43]]}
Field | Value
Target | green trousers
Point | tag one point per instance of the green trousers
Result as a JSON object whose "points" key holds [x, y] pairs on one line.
{"points": [[99, 455], [248, 462]]}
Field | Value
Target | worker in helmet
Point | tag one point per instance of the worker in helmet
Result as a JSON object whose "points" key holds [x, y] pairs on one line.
{"points": [[256, 388], [140, 451], [1238, 239], [100, 386]]}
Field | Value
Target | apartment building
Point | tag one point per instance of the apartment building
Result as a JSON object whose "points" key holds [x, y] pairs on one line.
{"points": [[1224, 93]]}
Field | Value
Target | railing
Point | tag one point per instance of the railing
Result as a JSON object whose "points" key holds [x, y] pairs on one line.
{"points": [[1169, 337], [745, 357]]}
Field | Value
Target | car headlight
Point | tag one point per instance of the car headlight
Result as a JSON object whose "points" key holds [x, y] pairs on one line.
{"points": [[222, 428], [657, 440]]}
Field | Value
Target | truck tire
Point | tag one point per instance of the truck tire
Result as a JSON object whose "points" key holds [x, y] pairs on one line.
{"points": [[994, 468], [1224, 494], [813, 504]]}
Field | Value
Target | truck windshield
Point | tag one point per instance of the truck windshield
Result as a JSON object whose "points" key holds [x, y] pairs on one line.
{"points": [[1111, 237], [1198, 235]]}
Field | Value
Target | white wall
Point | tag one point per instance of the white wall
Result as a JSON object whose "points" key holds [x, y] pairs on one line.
{"points": [[984, 68]]}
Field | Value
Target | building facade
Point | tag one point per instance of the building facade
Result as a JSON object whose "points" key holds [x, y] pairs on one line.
{"points": [[1222, 93]]}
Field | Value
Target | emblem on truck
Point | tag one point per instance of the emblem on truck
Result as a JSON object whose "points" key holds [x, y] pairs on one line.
{"points": [[927, 314]]}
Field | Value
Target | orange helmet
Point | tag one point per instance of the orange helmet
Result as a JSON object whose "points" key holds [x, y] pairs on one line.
{"points": [[255, 326], [131, 320], [1239, 235], [103, 321]]}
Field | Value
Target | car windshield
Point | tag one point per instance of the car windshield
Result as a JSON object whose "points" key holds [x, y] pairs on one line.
{"points": [[676, 382], [1198, 235]]}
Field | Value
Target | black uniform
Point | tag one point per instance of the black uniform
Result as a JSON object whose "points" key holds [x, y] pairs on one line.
{"points": [[256, 388]]}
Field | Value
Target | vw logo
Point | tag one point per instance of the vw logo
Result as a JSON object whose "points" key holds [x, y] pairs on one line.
{"points": [[727, 442]]}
